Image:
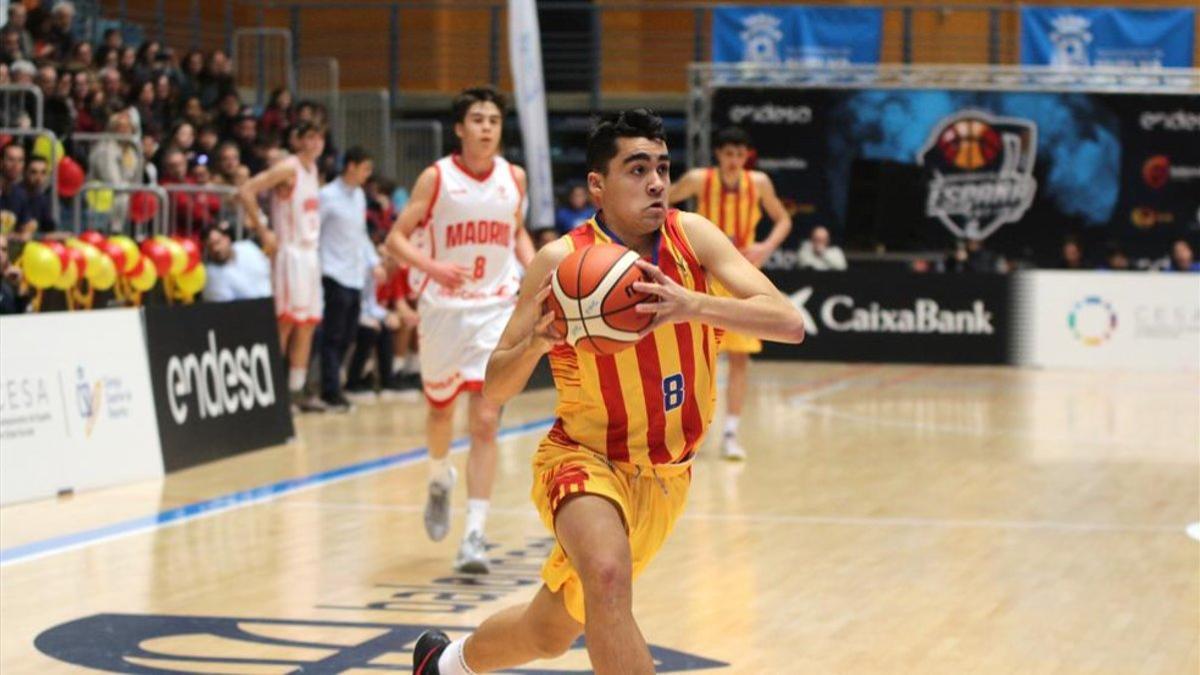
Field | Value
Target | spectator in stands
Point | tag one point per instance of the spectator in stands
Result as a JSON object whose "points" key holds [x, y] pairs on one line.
{"points": [[190, 73], [35, 192], [56, 110], [970, 256], [116, 162], [1115, 258], [207, 141], [60, 38], [217, 80], [229, 169], [127, 64], [110, 84], [18, 23], [193, 112], [14, 213], [81, 57], [347, 255], [143, 101], [380, 212], [577, 210], [88, 101], [229, 109], [245, 134], [23, 72], [236, 271], [1182, 258], [144, 65], [384, 312], [816, 253], [183, 139], [191, 212], [10, 46], [12, 301], [278, 113], [1072, 255], [109, 52]]}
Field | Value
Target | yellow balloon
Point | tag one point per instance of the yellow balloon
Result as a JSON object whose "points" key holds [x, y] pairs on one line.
{"points": [[179, 257], [132, 254], [99, 201], [40, 264], [68, 278], [43, 149], [146, 280], [102, 273], [191, 283]]}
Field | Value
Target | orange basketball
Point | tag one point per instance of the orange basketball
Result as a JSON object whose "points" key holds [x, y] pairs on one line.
{"points": [[593, 300]]}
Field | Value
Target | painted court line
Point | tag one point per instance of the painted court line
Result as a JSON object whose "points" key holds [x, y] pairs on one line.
{"points": [[235, 500]]}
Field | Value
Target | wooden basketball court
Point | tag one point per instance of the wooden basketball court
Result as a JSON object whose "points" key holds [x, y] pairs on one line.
{"points": [[891, 519]]}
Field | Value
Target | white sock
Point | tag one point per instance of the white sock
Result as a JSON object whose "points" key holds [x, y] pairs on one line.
{"points": [[453, 661], [731, 425], [398, 363], [441, 471], [296, 378], [476, 515], [412, 364]]}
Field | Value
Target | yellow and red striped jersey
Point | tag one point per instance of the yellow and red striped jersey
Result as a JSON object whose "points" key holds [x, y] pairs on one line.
{"points": [[650, 404], [735, 210]]}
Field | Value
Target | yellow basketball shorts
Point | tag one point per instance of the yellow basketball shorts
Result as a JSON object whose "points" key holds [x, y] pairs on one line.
{"points": [[649, 501], [736, 343]]}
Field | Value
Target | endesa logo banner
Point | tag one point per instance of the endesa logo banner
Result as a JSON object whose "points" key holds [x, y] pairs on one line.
{"points": [[219, 385], [898, 317]]}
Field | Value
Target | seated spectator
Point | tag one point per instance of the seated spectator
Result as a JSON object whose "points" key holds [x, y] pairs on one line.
{"points": [[216, 82], [116, 162], [18, 23], [380, 213], [1116, 258], [277, 115], [235, 271], [61, 39], [228, 111], [245, 134], [35, 192], [191, 212], [1182, 258], [56, 109], [193, 113], [970, 256], [816, 253], [1072, 255], [14, 212], [109, 52], [384, 311], [577, 210], [191, 72], [229, 169], [12, 301], [81, 57], [207, 141], [183, 139], [10, 46]]}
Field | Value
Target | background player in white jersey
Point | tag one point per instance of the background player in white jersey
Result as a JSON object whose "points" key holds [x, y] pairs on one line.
{"points": [[469, 208], [296, 271]]}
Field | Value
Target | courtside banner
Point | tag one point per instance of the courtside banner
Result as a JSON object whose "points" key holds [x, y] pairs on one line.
{"points": [[808, 35], [897, 317], [1080, 37], [1108, 320], [219, 382], [76, 408]]}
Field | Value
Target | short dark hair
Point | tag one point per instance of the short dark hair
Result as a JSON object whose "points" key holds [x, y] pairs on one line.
{"points": [[36, 159], [602, 141], [731, 136], [469, 97], [356, 155], [302, 129]]}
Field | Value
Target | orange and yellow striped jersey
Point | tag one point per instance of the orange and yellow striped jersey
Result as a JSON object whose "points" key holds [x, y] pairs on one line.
{"points": [[735, 210], [649, 404]]}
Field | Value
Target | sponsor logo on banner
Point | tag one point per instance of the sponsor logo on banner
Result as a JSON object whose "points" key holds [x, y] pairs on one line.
{"points": [[1092, 321], [770, 113], [219, 386], [761, 34], [841, 314], [1157, 171], [1144, 217], [1176, 120], [981, 172], [1070, 34]]}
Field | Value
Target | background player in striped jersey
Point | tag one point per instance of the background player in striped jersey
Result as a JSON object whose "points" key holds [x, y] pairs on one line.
{"points": [[470, 211], [612, 475], [730, 196]]}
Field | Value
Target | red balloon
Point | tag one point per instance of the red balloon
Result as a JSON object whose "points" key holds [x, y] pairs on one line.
{"points": [[192, 249], [158, 254], [76, 256], [143, 206], [59, 250], [137, 269], [115, 252], [92, 237], [70, 177]]}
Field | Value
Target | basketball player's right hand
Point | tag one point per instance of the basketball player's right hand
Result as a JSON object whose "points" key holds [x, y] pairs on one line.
{"points": [[545, 336], [448, 275]]}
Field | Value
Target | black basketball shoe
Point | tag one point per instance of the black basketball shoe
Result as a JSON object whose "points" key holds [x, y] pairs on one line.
{"points": [[429, 649]]}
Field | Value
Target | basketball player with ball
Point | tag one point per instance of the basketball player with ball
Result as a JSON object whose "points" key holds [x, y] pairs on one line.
{"points": [[622, 306], [730, 196], [467, 210]]}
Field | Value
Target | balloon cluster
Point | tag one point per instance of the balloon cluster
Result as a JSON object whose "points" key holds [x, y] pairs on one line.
{"points": [[117, 263]]}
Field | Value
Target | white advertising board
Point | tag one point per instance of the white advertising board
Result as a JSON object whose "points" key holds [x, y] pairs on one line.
{"points": [[76, 407], [1134, 320]]}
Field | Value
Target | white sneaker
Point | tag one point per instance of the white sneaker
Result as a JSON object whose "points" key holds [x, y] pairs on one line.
{"points": [[472, 555], [437, 508], [732, 450]]}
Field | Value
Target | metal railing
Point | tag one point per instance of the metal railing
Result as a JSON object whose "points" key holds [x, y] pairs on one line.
{"points": [[263, 59], [417, 144], [14, 102], [191, 208], [92, 208]]}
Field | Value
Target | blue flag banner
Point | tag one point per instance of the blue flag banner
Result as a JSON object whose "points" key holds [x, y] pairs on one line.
{"points": [[809, 35], [1071, 37]]}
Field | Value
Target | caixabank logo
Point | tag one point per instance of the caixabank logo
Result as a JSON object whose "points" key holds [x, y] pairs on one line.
{"points": [[980, 171]]}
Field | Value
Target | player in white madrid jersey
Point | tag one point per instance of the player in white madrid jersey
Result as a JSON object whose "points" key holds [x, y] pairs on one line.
{"points": [[467, 210], [295, 218]]}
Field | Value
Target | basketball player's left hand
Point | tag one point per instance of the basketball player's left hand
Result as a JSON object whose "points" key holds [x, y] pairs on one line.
{"points": [[675, 303], [757, 253]]}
